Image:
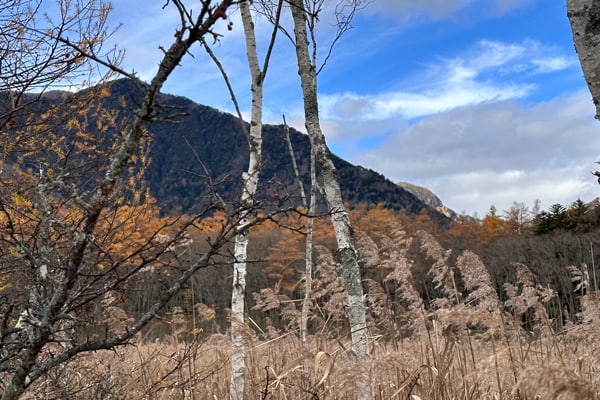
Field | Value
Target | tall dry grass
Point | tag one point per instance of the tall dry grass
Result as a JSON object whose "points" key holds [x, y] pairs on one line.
{"points": [[462, 343], [441, 367]]}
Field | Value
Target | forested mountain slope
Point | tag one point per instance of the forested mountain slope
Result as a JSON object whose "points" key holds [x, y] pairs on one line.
{"points": [[206, 144]]}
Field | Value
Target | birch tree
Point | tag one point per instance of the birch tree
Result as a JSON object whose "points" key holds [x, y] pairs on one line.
{"points": [[249, 185], [52, 233], [249, 188], [345, 255]]}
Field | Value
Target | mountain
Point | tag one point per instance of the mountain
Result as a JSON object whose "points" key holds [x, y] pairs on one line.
{"points": [[424, 194], [429, 198], [206, 145]]}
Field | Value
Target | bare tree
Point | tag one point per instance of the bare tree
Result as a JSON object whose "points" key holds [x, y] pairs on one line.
{"points": [[518, 216], [33, 60], [51, 226]]}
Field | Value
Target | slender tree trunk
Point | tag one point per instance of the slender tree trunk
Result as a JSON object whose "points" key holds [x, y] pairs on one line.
{"points": [[250, 182], [286, 131], [584, 16], [308, 261], [308, 264], [346, 254]]}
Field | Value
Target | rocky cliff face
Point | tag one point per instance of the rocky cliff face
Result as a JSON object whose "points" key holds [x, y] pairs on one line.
{"points": [[423, 194], [428, 197]]}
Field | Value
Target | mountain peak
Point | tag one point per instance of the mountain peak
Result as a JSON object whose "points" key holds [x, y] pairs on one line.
{"points": [[207, 146], [428, 197]]}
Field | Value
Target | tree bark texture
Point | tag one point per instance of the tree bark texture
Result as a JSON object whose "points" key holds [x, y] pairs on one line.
{"points": [[346, 255], [250, 182], [584, 16]]}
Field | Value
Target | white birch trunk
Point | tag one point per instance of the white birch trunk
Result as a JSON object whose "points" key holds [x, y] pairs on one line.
{"points": [[346, 254], [237, 318], [584, 16], [250, 182]]}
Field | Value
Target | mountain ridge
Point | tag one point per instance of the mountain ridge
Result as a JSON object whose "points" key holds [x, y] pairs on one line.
{"points": [[208, 145]]}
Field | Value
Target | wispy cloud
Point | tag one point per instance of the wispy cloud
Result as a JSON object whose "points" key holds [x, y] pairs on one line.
{"points": [[490, 71], [456, 93], [497, 153], [553, 64]]}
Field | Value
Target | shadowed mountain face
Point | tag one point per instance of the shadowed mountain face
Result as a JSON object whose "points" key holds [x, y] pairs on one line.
{"points": [[205, 145]]}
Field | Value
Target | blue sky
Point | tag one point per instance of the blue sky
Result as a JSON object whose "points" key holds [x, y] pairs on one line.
{"points": [[481, 101]]}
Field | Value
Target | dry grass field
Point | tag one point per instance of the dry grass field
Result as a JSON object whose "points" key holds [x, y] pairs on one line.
{"points": [[507, 364], [467, 345]]}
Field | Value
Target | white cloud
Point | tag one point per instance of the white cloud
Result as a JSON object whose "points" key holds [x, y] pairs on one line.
{"points": [[481, 74], [490, 54], [497, 153], [553, 64], [147, 31], [475, 192], [452, 94]]}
